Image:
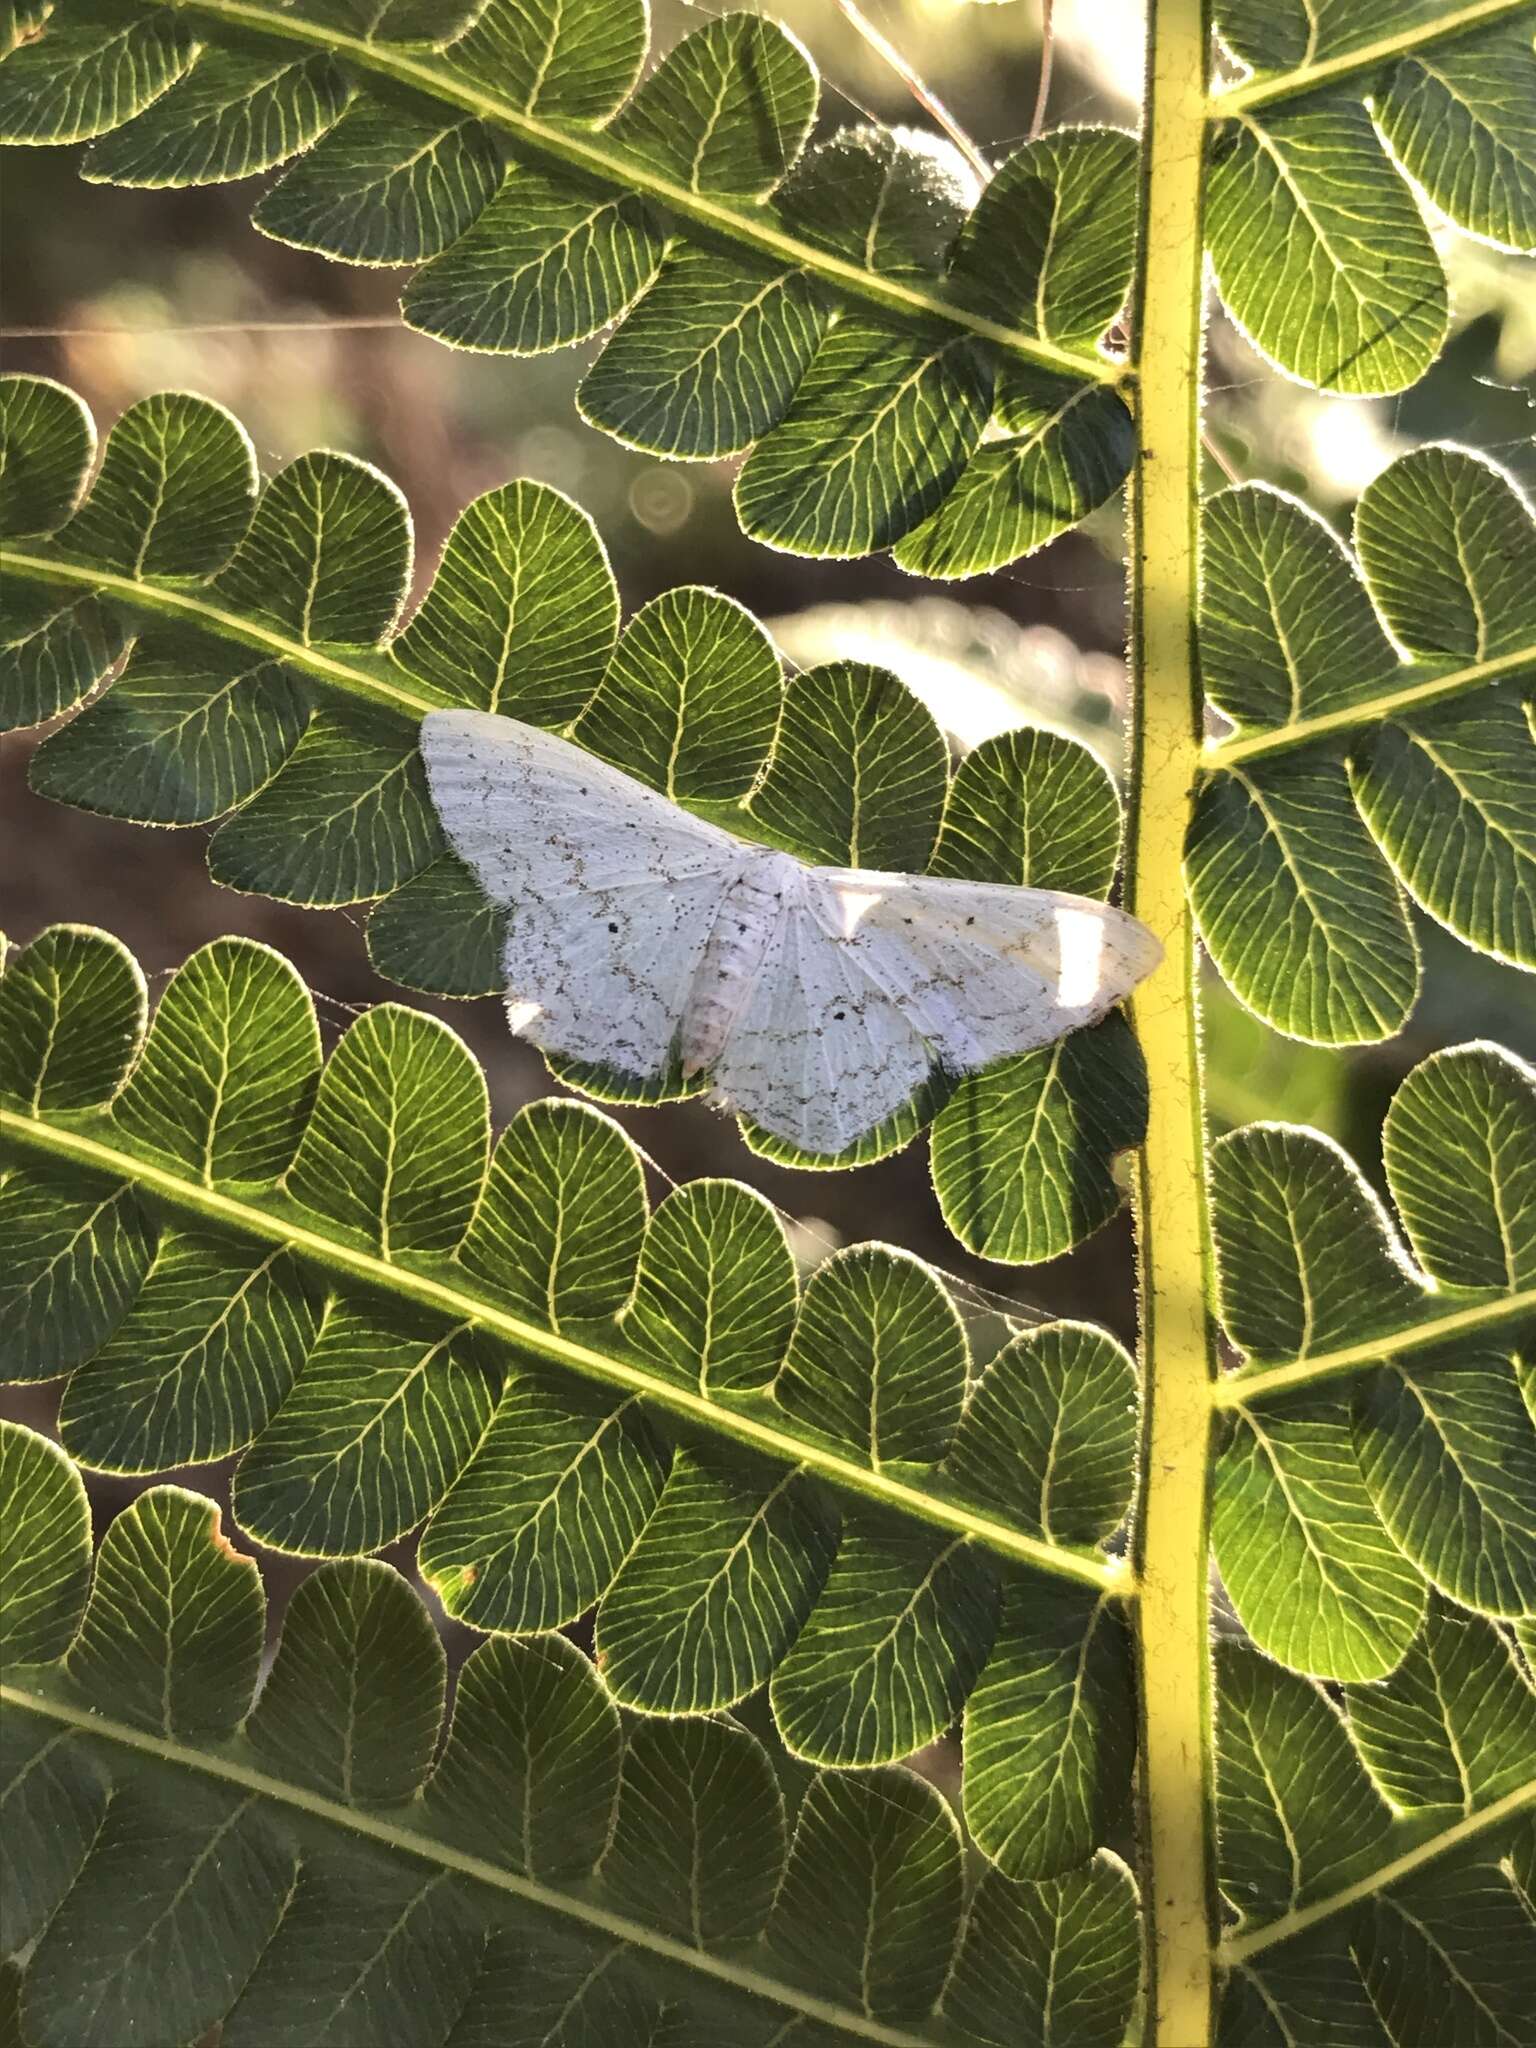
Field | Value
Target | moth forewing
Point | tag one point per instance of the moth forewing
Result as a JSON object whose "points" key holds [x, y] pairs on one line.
{"points": [[818, 999]]}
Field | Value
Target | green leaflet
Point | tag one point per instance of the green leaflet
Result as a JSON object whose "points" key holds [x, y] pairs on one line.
{"points": [[1335, 302], [1465, 1119], [727, 111], [546, 264], [276, 698], [1022, 1153], [328, 554], [99, 67], [893, 200], [147, 1940], [1274, 35], [1363, 1922], [690, 701], [47, 442], [1310, 1268], [1449, 796], [1451, 1955], [535, 1527], [1448, 544], [878, 1359], [48, 1524], [895, 1642], [1048, 246], [382, 1419], [352, 1705], [174, 493], [386, 185], [881, 427], [1067, 450], [1455, 1724], [1299, 1814], [438, 933], [1287, 629], [700, 1830], [1049, 242], [1299, 911], [576, 61], [858, 774], [1448, 1450], [1050, 1736], [53, 649], [351, 1890], [1333, 1505], [1315, 1579], [1459, 120], [330, 1277], [93, 981], [198, 1365], [716, 1290], [522, 612], [1049, 1427], [76, 1245], [1307, 1259], [713, 1594], [175, 1651], [709, 358], [1034, 809], [235, 114], [1296, 911], [880, 1839], [1059, 1959], [506, 150], [184, 736], [559, 1224]]}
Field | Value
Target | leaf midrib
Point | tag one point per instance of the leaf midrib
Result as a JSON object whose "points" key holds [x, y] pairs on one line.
{"points": [[394, 1835], [1438, 687], [1252, 1383], [596, 155], [414, 696], [254, 1220], [1283, 85], [1237, 1948], [196, 607]]}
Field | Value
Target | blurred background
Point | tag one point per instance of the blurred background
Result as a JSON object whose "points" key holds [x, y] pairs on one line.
{"points": [[120, 293]]}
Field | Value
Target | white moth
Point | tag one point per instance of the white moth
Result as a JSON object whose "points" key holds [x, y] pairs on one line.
{"points": [[817, 999]]}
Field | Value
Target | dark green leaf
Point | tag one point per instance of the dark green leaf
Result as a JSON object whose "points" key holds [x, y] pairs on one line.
{"points": [[47, 441], [1023, 1153], [174, 494], [871, 1899], [1300, 913], [879, 429], [390, 183], [858, 774], [1050, 1732], [1320, 252], [878, 1359], [47, 1533], [892, 1647], [522, 612]]}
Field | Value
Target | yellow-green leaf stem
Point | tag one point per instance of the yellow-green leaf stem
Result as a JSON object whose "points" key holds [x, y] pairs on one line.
{"points": [[1415, 696], [1177, 1353], [1284, 85], [1238, 1389], [1252, 1941], [753, 227], [359, 676], [277, 1222]]}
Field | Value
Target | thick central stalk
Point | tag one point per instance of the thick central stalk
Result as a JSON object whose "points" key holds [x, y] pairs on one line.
{"points": [[1172, 1237]]}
